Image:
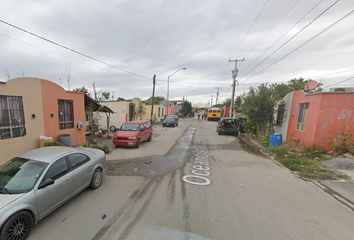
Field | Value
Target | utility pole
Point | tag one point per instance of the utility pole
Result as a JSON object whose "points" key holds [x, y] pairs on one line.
{"points": [[211, 101], [153, 97], [234, 75], [113, 95], [217, 95]]}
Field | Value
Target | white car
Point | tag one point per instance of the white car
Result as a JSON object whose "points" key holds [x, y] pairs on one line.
{"points": [[36, 183]]}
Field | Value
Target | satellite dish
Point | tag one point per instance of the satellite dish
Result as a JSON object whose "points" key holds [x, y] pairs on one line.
{"points": [[311, 85]]}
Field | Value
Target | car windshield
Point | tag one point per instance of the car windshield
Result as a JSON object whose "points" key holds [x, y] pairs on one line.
{"points": [[173, 117], [130, 127], [169, 119], [230, 122], [19, 175]]}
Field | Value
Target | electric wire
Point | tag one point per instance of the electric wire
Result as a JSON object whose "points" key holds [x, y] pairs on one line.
{"points": [[255, 20], [145, 92], [340, 82], [46, 50], [280, 39], [292, 7], [152, 32], [332, 74], [72, 50], [303, 44]]}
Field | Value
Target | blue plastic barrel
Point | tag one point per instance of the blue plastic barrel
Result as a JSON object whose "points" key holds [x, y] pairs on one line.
{"points": [[275, 140], [65, 139]]}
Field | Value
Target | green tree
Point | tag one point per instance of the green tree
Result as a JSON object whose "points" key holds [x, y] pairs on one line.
{"points": [[157, 100], [83, 90], [227, 102], [299, 84], [139, 111], [186, 108], [258, 105], [106, 94]]}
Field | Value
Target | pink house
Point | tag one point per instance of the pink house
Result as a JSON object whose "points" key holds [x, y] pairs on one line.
{"points": [[312, 118]]}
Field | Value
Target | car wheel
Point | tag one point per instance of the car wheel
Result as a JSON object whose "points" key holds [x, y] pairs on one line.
{"points": [[163, 125], [150, 136], [18, 226], [116, 146], [113, 128], [96, 179], [236, 134], [137, 143], [219, 133]]}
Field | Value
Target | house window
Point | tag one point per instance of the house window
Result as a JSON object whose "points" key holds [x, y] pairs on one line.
{"points": [[302, 116], [12, 120], [163, 112], [158, 112], [280, 115], [66, 114]]}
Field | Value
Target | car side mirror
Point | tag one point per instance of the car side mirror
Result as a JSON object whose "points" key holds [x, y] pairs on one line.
{"points": [[45, 183]]}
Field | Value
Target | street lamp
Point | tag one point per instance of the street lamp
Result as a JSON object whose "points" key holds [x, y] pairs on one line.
{"points": [[168, 88], [186, 99], [188, 93]]}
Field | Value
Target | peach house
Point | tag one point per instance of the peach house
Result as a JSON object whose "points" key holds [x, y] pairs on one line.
{"points": [[309, 119], [30, 107]]}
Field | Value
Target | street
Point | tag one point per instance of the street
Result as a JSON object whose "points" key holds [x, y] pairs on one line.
{"points": [[191, 183]]}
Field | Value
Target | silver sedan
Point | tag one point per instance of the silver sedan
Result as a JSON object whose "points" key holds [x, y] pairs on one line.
{"points": [[36, 183]]}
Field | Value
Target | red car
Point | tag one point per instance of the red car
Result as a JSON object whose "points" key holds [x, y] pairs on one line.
{"points": [[131, 134]]}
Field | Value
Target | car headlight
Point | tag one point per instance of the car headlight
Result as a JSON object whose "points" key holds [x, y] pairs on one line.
{"points": [[115, 137], [131, 138]]}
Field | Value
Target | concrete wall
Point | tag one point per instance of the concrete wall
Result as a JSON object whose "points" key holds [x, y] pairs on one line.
{"points": [[51, 93], [329, 114], [120, 115], [283, 129], [336, 114], [30, 90]]}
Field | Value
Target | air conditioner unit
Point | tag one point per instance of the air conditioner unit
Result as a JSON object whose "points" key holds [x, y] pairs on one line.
{"points": [[342, 89]]}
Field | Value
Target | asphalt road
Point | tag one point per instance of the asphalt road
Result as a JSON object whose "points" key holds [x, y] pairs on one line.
{"points": [[190, 183]]}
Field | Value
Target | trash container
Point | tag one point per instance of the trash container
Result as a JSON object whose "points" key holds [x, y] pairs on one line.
{"points": [[65, 139], [275, 140]]}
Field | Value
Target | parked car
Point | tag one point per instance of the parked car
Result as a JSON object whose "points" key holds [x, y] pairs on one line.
{"points": [[171, 120], [228, 126], [131, 134], [36, 183]]}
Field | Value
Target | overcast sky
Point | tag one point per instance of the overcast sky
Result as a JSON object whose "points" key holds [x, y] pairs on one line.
{"points": [[133, 40]]}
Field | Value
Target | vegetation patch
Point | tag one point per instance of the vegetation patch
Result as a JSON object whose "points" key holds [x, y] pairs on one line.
{"points": [[307, 162]]}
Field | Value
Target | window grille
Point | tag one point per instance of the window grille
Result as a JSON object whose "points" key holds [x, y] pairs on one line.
{"points": [[12, 120]]}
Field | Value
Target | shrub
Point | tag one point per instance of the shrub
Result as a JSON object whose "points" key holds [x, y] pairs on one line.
{"points": [[105, 148], [342, 143], [49, 144]]}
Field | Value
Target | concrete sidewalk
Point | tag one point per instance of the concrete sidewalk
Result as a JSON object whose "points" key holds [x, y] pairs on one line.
{"points": [[341, 190]]}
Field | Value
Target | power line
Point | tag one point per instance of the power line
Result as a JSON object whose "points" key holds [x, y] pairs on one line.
{"points": [[55, 53], [326, 29], [273, 28], [332, 74], [152, 32], [340, 82], [284, 34], [72, 50], [250, 28], [289, 41]]}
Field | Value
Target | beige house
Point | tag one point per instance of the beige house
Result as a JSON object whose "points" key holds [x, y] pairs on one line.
{"points": [[123, 112], [31, 107], [126, 111]]}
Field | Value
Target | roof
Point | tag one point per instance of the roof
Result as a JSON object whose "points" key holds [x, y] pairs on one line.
{"points": [[89, 101]]}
